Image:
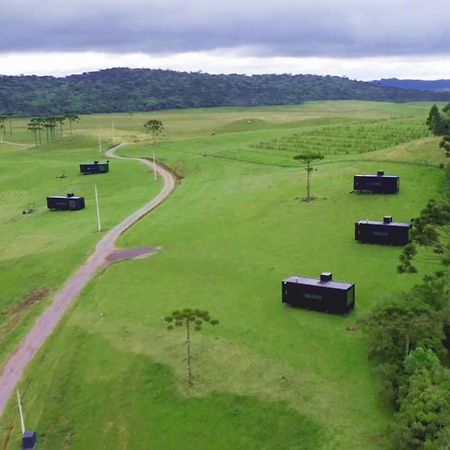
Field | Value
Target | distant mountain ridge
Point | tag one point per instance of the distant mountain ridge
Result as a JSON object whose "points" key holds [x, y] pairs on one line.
{"points": [[421, 85], [123, 89]]}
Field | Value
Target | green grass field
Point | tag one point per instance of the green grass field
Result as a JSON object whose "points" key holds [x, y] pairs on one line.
{"points": [[267, 376]]}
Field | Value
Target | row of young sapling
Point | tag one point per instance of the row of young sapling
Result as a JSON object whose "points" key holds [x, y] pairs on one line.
{"points": [[361, 138]]}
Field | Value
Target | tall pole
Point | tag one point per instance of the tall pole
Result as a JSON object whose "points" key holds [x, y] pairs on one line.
{"points": [[154, 166], [99, 143], [99, 225], [113, 132], [22, 422], [308, 179]]}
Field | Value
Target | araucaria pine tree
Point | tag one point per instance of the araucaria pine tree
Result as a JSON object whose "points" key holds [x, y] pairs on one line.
{"points": [[308, 158], [191, 319]]}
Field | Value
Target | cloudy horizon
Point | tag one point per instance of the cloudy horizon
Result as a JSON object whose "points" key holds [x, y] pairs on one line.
{"points": [[376, 39]]}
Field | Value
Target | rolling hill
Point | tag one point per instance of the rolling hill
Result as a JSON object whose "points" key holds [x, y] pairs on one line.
{"points": [[123, 90]]}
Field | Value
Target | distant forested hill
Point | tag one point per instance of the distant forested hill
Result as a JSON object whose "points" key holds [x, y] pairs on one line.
{"points": [[422, 85], [122, 89]]}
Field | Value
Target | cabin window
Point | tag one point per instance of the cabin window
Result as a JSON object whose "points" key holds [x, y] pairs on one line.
{"points": [[380, 233], [313, 296]]}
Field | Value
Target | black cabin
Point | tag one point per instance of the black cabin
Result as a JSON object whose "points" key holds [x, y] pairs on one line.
{"points": [[29, 440], [385, 232], [93, 168], [377, 184], [322, 294], [65, 203]]}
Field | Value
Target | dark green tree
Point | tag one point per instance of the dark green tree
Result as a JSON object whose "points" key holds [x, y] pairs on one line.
{"points": [[52, 124], [394, 329], [155, 127], [2, 125], [35, 127], [190, 318], [72, 119], [49, 124], [308, 158], [445, 144], [424, 416], [37, 124], [60, 120], [436, 123], [3, 119]]}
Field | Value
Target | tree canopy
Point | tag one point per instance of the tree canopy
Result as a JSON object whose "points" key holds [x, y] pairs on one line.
{"points": [[124, 90]]}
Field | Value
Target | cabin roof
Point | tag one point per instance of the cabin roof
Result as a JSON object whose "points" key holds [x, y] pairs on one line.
{"points": [[376, 176], [64, 196], [298, 279], [28, 434], [380, 222]]}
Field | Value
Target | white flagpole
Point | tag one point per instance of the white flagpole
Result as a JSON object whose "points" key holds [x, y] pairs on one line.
{"points": [[22, 423], [154, 166], [99, 143], [99, 225]]}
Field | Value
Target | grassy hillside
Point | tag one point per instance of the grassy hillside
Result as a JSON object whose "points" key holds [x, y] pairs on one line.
{"points": [[267, 376], [39, 251]]}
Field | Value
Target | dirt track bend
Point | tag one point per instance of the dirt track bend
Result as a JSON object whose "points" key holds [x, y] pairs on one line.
{"points": [[15, 366]]}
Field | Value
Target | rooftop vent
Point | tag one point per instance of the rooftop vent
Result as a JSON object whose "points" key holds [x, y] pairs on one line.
{"points": [[387, 219], [380, 173], [326, 276], [71, 195]]}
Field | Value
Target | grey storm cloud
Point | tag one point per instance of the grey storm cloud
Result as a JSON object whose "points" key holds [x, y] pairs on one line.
{"points": [[261, 28]]}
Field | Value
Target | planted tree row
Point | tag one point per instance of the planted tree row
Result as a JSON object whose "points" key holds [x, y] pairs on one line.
{"points": [[39, 125], [347, 138]]}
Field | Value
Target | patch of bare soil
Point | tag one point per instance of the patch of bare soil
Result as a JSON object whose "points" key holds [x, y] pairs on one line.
{"points": [[15, 315]]}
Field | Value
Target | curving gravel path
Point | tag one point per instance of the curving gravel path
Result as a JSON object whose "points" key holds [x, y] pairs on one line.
{"points": [[15, 366]]}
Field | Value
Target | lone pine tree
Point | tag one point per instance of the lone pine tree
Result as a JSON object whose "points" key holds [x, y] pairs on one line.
{"points": [[308, 158], [189, 318]]}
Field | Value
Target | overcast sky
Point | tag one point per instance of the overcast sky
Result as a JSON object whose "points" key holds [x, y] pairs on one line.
{"points": [[363, 39]]}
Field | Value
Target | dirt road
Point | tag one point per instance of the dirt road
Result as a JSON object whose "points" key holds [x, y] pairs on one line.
{"points": [[18, 362]]}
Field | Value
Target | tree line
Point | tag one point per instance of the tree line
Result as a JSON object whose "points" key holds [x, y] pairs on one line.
{"points": [[123, 90], [409, 336]]}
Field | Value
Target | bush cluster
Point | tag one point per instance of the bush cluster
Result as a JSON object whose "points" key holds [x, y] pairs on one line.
{"points": [[425, 232], [409, 338]]}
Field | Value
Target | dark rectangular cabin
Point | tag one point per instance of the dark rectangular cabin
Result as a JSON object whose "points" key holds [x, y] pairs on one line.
{"points": [[377, 184], [29, 440], [322, 294], [93, 168], [386, 232], [65, 203]]}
